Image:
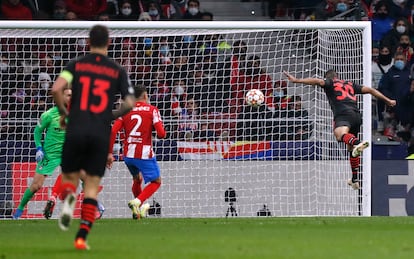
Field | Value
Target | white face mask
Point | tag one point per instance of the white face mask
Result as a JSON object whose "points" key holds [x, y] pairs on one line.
{"points": [[126, 11], [45, 85], [400, 29], [193, 10], [179, 90], [4, 66]]}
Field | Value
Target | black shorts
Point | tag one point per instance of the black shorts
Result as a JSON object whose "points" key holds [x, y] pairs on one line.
{"points": [[88, 152], [352, 120]]}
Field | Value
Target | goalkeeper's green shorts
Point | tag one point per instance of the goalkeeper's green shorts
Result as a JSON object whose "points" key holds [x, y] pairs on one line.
{"points": [[48, 166]]}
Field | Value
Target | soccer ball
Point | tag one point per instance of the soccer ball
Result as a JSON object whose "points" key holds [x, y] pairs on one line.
{"points": [[254, 97]]}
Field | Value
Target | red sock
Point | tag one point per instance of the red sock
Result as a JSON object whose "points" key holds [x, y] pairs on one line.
{"points": [[56, 187], [354, 161], [349, 138], [136, 187], [148, 191], [88, 214], [66, 188]]}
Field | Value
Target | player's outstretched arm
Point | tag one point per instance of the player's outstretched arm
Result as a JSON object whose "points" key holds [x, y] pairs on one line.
{"points": [[306, 81], [378, 95]]}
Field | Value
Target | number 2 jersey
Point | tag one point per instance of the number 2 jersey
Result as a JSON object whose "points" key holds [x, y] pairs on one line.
{"points": [[341, 96], [96, 80], [138, 125]]}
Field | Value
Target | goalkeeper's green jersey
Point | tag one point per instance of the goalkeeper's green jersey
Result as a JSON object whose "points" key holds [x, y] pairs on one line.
{"points": [[54, 134]]}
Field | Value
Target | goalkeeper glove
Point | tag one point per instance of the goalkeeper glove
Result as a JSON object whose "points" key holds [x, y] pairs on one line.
{"points": [[39, 154]]}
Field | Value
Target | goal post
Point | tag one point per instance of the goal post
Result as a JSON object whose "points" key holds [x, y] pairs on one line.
{"points": [[225, 159]]}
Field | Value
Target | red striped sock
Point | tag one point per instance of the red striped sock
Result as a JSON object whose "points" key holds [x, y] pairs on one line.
{"points": [[355, 162], [148, 191], [56, 187], [350, 138], [136, 187], [88, 214]]}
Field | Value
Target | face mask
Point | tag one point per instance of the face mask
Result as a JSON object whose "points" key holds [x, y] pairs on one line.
{"points": [[400, 29], [188, 39], [82, 43], [384, 59], [404, 45], [341, 7], [399, 64], [153, 12], [126, 11], [179, 90], [193, 10], [278, 93], [45, 85], [4, 67], [164, 50], [374, 57], [59, 16], [382, 15]]}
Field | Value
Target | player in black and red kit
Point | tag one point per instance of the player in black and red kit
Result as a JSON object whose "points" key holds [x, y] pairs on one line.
{"points": [[95, 81], [347, 118]]}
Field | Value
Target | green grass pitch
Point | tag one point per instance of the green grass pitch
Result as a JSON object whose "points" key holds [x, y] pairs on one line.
{"points": [[305, 237]]}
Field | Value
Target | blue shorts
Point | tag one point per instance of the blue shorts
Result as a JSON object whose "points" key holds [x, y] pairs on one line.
{"points": [[148, 167]]}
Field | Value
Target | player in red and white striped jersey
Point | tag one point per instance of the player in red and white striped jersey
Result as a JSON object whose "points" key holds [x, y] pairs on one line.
{"points": [[138, 154]]}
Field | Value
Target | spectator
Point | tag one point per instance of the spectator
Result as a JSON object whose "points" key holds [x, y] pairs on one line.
{"points": [[207, 16], [234, 71], [381, 63], [392, 37], [381, 23], [126, 12], [193, 11], [400, 8], [178, 95], [251, 123], [395, 84], [188, 119], [144, 16], [278, 95], [71, 16], [256, 77], [304, 9], [405, 46], [300, 127], [59, 10], [86, 9], [103, 17], [173, 9], [15, 10], [154, 10], [112, 8]]}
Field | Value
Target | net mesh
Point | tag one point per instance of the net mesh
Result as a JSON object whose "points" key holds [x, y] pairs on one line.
{"points": [[221, 157]]}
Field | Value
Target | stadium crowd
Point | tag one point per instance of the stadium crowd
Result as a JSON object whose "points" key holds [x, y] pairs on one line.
{"points": [[202, 78]]}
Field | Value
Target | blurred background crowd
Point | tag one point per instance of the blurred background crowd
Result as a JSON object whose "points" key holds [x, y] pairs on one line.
{"points": [[194, 79]]}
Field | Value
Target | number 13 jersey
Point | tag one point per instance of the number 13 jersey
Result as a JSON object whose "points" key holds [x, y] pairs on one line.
{"points": [[95, 80]]}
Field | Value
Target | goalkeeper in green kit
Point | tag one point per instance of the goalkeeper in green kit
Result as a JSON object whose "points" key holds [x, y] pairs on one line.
{"points": [[48, 153]]}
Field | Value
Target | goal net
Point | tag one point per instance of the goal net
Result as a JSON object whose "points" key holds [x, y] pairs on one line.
{"points": [[221, 157]]}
